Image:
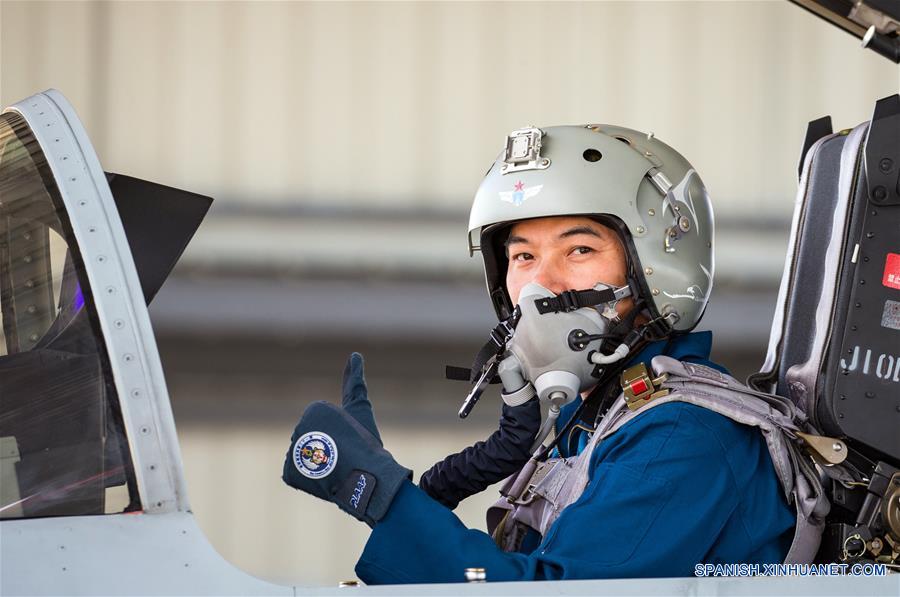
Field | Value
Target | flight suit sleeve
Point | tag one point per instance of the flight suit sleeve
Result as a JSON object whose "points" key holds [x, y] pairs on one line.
{"points": [[660, 492]]}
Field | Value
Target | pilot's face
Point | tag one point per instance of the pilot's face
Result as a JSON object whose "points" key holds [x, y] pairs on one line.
{"points": [[564, 253]]}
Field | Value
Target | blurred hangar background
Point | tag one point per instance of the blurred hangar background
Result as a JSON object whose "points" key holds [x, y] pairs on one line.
{"points": [[343, 143]]}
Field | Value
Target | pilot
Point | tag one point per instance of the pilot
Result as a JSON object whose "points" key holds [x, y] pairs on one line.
{"points": [[649, 485]]}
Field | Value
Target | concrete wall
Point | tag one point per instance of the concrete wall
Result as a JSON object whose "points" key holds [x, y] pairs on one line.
{"points": [[404, 105]]}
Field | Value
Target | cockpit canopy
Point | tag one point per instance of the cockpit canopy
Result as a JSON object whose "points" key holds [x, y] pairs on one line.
{"points": [[63, 445]]}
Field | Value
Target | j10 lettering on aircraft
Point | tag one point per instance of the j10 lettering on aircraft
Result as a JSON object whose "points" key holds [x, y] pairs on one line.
{"points": [[884, 366]]}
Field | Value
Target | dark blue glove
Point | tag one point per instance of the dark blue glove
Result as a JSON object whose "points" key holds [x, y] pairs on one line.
{"points": [[336, 454]]}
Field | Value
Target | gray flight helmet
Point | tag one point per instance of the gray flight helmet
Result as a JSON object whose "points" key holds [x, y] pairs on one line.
{"points": [[630, 181]]}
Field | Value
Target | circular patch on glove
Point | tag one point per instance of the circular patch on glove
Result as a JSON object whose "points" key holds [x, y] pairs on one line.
{"points": [[315, 455]]}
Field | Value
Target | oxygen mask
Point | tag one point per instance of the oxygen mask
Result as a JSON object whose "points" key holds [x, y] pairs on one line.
{"points": [[550, 351], [556, 346], [551, 347]]}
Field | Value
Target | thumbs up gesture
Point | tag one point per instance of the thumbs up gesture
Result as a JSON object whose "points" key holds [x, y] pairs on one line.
{"points": [[336, 453]]}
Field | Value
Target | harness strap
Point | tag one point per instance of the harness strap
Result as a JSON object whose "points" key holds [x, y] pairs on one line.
{"points": [[499, 336], [455, 373], [570, 300], [776, 417]]}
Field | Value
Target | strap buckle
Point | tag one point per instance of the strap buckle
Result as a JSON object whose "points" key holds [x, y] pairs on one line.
{"points": [[826, 451], [568, 301], [528, 495], [571, 300], [640, 388], [503, 331]]}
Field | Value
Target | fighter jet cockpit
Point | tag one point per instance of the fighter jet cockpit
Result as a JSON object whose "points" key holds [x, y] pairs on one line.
{"points": [[93, 498]]}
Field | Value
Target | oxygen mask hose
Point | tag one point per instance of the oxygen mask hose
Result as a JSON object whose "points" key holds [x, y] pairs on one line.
{"points": [[557, 400], [618, 354]]}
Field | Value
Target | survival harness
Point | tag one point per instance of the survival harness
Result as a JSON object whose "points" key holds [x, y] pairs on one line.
{"points": [[535, 498]]}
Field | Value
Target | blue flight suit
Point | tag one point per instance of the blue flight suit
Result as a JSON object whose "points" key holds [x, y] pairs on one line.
{"points": [[676, 486]]}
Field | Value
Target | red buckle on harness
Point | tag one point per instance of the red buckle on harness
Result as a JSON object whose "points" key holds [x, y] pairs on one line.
{"points": [[638, 386]]}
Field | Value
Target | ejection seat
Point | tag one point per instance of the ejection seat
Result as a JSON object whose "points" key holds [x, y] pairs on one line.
{"points": [[834, 348]]}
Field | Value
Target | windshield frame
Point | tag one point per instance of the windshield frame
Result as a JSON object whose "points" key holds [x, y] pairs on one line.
{"points": [[124, 322]]}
